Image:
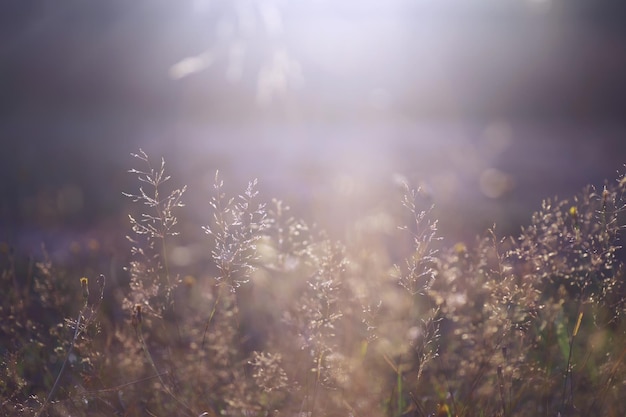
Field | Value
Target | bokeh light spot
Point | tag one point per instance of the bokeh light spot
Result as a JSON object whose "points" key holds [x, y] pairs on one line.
{"points": [[495, 183]]}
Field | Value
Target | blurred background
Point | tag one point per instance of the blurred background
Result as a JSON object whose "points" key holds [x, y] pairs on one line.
{"points": [[489, 105]]}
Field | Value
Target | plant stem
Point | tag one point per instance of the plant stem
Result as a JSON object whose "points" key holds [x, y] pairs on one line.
{"points": [[67, 357], [206, 327]]}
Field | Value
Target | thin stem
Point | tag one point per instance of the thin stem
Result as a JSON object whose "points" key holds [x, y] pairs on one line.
{"points": [[501, 386], [568, 369], [317, 383], [400, 398], [210, 319], [600, 398], [142, 342], [166, 264], [65, 361]]}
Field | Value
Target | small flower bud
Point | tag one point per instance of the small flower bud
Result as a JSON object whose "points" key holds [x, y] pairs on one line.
{"points": [[460, 249], [84, 285], [443, 410], [573, 212], [138, 312], [137, 318]]}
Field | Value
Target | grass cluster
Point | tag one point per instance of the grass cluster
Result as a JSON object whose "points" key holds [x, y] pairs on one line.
{"points": [[282, 320]]}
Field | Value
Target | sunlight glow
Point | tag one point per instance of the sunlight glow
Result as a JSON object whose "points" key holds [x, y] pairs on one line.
{"points": [[191, 65]]}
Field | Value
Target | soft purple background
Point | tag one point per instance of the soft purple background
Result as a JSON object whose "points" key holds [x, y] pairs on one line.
{"points": [[308, 96]]}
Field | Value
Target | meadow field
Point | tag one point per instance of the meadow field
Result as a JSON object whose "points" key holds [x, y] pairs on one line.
{"points": [[258, 312]]}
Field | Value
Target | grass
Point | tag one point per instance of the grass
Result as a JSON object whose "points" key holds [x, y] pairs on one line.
{"points": [[282, 320]]}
